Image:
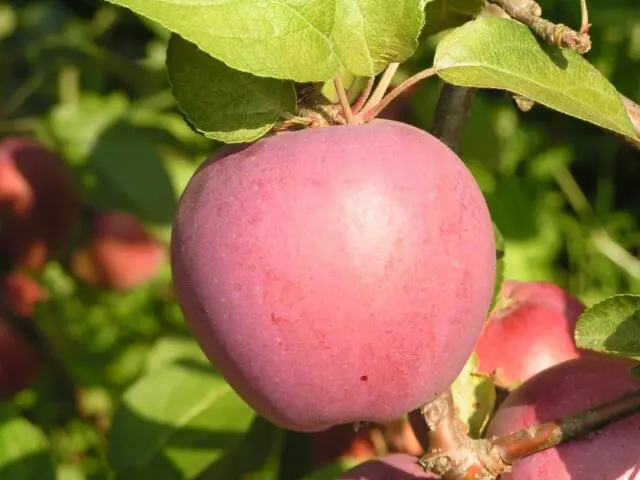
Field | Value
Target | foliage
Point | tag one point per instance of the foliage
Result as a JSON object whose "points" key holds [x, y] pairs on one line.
{"points": [[132, 395]]}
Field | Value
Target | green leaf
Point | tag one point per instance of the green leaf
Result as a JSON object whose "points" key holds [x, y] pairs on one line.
{"points": [[118, 163], [612, 325], [168, 350], [176, 422], [493, 52], [256, 456], [223, 103], [474, 396], [24, 449], [301, 40], [636, 371]]}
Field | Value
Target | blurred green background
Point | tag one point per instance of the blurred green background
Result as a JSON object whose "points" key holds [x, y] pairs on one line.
{"points": [[87, 79]]}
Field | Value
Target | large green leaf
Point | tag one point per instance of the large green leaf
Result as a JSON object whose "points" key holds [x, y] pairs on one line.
{"points": [[24, 449], [176, 422], [223, 103], [119, 163], [612, 325], [493, 52], [302, 40]]}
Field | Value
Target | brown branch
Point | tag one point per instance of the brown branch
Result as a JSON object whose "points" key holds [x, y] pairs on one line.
{"points": [[547, 435], [453, 455], [554, 33], [452, 111]]}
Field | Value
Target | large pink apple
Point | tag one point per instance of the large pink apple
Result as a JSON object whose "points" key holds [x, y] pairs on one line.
{"points": [[335, 274], [531, 329], [569, 388]]}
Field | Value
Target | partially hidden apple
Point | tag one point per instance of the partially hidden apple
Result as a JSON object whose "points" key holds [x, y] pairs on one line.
{"points": [[398, 466], [39, 207], [119, 254], [612, 453], [530, 329], [20, 364]]}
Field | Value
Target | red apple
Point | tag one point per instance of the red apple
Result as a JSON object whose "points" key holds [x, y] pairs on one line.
{"points": [[327, 273], [38, 204], [565, 389], [21, 293], [531, 329], [120, 254], [19, 362]]}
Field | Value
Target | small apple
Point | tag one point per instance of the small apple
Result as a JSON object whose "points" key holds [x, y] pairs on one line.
{"points": [[119, 255], [20, 364], [39, 207]]}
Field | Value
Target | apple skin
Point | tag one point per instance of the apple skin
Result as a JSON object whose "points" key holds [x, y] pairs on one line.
{"points": [[120, 254], [397, 466], [321, 265], [568, 388], [20, 365], [39, 206], [531, 329]]}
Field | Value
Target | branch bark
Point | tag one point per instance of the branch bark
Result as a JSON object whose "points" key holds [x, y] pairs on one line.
{"points": [[548, 435], [530, 13], [452, 111]]}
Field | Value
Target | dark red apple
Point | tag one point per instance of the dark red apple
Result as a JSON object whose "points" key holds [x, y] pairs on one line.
{"points": [[531, 329], [39, 207], [19, 362], [569, 388], [119, 255]]}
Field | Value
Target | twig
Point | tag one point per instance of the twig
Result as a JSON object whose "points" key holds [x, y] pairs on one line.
{"points": [[368, 113], [555, 34], [548, 435], [454, 455], [382, 87], [344, 101], [452, 111]]}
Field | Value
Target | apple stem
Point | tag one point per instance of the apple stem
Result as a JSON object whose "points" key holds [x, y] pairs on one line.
{"points": [[382, 87], [547, 435], [344, 101], [363, 97], [369, 113], [584, 24]]}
